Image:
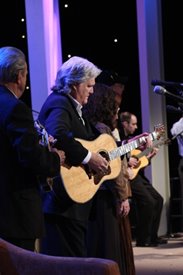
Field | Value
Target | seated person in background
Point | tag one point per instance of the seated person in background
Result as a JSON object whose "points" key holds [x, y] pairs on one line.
{"points": [[148, 201]]}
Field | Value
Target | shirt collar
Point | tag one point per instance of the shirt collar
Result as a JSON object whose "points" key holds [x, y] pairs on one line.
{"points": [[77, 105], [12, 92]]}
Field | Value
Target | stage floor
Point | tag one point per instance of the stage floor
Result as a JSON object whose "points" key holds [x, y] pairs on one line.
{"points": [[164, 259]]}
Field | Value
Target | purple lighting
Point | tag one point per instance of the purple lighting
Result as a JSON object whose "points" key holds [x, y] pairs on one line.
{"points": [[44, 47], [52, 39]]}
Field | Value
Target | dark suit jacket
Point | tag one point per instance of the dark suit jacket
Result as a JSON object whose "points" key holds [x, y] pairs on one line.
{"points": [[22, 160], [62, 121]]}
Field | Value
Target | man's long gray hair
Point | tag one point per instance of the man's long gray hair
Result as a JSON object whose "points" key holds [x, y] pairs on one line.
{"points": [[74, 71]]}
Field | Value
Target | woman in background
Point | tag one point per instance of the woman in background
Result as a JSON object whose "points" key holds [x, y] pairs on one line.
{"points": [[109, 232]]}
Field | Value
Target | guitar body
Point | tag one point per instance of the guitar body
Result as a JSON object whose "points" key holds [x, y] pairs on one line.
{"points": [[143, 162], [81, 185]]}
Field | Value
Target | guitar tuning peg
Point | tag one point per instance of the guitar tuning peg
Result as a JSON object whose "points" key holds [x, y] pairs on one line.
{"points": [[168, 141]]}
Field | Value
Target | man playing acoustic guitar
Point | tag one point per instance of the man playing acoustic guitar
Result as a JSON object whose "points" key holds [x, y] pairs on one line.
{"points": [[61, 115], [148, 201]]}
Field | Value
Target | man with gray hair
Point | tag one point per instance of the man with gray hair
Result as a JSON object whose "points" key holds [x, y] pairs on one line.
{"points": [[22, 158], [61, 114]]}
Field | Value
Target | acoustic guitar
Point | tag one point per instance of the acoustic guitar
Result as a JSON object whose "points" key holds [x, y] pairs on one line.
{"points": [[80, 183], [142, 157]]}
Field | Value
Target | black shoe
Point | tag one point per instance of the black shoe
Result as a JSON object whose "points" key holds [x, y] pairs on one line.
{"points": [[160, 241], [141, 244]]}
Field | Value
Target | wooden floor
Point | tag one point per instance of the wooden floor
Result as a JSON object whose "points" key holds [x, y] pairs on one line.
{"points": [[161, 260]]}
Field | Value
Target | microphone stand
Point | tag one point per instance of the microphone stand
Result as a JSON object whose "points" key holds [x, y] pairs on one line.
{"points": [[175, 136]]}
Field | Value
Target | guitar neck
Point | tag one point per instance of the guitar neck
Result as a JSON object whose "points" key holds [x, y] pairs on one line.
{"points": [[126, 148], [148, 150], [144, 153]]}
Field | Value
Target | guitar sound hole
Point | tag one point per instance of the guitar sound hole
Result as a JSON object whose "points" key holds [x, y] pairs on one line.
{"points": [[104, 155]]}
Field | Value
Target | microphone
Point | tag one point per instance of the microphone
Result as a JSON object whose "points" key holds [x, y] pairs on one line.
{"points": [[167, 83], [162, 91], [173, 109]]}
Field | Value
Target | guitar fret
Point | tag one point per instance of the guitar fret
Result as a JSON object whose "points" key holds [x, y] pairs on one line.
{"points": [[126, 148], [123, 149]]}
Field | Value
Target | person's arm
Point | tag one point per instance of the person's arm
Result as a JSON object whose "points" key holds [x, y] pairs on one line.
{"points": [[122, 189], [25, 141], [152, 153], [177, 127], [61, 123], [58, 117]]}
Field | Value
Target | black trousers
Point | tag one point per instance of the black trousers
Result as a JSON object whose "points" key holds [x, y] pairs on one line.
{"points": [[64, 237], [149, 204], [104, 232]]}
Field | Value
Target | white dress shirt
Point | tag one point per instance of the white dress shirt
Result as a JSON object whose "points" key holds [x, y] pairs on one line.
{"points": [[177, 129]]}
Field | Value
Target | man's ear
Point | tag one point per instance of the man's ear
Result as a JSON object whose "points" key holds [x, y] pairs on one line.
{"points": [[125, 123], [74, 87], [73, 90], [19, 77]]}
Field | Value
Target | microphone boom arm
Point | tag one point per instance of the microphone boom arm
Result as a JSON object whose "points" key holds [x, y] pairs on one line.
{"points": [[162, 91]]}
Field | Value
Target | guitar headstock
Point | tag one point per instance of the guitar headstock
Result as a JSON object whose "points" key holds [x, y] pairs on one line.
{"points": [[159, 130], [43, 135]]}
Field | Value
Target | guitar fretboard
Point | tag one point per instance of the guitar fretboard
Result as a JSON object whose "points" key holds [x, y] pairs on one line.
{"points": [[148, 150], [125, 148]]}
